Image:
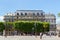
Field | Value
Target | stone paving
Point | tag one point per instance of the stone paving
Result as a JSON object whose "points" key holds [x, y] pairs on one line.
{"points": [[29, 38]]}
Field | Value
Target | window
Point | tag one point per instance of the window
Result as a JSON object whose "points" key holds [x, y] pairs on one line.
{"points": [[37, 13], [17, 13], [12, 18], [52, 20], [25, 13], [21, 13], [33, 13], [41, 13]]}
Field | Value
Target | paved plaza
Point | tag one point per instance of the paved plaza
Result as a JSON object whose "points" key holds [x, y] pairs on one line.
{"points": [[29, 38]]}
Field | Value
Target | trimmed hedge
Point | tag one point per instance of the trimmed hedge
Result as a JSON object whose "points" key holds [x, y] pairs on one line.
{"points": [[26, 26], [2, 26]]}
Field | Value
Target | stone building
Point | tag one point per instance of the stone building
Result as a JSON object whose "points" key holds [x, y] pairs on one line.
{"points": [[32, 15], [37, 15], [51, 18]]}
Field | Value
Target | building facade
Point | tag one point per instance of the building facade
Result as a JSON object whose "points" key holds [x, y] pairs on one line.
{"points": [[37, 15], [29, 15], [58, 29], [51, 18]]}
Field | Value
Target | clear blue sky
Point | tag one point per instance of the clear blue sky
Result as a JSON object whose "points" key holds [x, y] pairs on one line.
{"points": [[45, 5]]}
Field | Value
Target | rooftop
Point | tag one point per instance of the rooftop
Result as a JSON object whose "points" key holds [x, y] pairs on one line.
{"points": [[31, 10]]}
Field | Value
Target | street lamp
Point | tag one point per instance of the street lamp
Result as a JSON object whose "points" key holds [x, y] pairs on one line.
{"points": [[5, 29], [35, 28]]}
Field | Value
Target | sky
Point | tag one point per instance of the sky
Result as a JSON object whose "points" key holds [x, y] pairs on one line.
{"points": [[47, 6]]}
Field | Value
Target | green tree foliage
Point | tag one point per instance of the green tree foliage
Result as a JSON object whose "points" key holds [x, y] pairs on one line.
{"points": [[58, 14], [46, 26], [26, 26], [2, 26], [39, 27], [18, 26], [9, 26]]}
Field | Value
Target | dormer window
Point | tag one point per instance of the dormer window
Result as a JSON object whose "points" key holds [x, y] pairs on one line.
{"points": [[41, 13], [17, 13], [33, 13], [25, 13], [37, 13], [21, 13]]}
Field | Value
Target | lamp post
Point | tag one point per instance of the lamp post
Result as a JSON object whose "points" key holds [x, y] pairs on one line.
{"points": [[35, 28], [5, 29]]}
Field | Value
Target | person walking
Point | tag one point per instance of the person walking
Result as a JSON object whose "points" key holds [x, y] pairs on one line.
{"points": [[41, 34]]}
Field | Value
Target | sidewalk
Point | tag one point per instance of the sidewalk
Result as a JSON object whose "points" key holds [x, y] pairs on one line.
{"points": [[29, 38]]}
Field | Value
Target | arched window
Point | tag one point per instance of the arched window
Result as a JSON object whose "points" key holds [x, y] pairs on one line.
{"points": [[37, 13], [41, 13], [25, 13], [34, 14], [21, 13], [17, 13]]}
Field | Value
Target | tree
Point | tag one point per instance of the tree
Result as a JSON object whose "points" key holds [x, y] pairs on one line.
{"points": [[39, 27], [46, 26], [58, 14], [27, 26], [9, 27], [2, 26], [24, 26], [18, 27]]}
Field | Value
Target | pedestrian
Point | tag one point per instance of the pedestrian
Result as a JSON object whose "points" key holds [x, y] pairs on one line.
{"points": [[41, 34]]}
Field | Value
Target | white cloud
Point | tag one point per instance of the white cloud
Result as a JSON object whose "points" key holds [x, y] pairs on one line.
{"points": [[58, 20], [1, 19]]}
